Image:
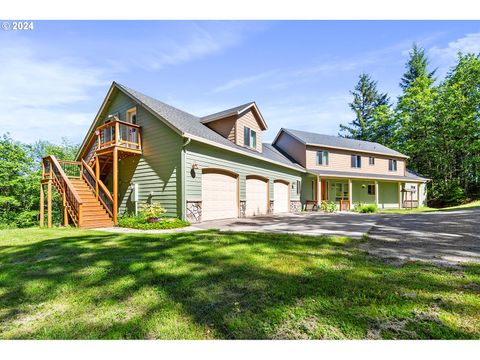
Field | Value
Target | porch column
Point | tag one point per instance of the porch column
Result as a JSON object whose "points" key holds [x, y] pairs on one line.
{"points": [[115, 185], [399, 195], [376, 193], [42, 205], [319, 191], [49, 204], [350, 194]]}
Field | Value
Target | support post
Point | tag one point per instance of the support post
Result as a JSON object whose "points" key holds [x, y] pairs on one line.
{"points": [[42, 206], [49, 204], [117, 133], [376, 193], [399, 195], [350, 193], [115, 184], [65, 212], [319, 190], [97, 175]]}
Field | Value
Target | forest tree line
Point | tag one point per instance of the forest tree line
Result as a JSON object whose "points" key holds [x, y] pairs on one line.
{"points": [[436, 122]]}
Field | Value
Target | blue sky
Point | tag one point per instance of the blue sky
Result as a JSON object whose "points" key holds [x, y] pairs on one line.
{"points": [[54, 78]]}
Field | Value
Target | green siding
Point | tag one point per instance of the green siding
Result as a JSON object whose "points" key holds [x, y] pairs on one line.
{"points": [[206, 156], [387, 194], [360, 192], [156, 170]]}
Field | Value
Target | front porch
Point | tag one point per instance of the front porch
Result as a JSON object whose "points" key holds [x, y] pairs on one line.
{"points": [[346, 192]]}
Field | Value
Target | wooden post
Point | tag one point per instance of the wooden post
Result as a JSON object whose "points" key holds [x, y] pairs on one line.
{"points": [[65, 212], [350, 193], [376, 193], [399, 195], [117, 133], [319, 191], [97, 174], [42, 206], [49, 203], [115, 184]]}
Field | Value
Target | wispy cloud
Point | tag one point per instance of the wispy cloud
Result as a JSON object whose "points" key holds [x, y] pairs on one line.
{"points": [[445, 56], [36, 93]]}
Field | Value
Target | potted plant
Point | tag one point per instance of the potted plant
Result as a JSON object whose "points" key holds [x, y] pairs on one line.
{"points": [[153, 212]]}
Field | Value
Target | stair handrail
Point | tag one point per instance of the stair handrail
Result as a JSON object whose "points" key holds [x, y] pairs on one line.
{"points": [[66, 186], [100, 184]]}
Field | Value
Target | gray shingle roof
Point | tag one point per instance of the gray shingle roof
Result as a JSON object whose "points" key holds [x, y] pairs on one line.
{"points": [[190, 124], [356, 175], [335, 141], [225, 113]]}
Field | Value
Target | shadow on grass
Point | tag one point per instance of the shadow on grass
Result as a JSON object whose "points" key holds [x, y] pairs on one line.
{"points": [[219, 285]]}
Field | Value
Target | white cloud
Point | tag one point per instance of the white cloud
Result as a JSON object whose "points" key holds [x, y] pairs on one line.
{"points": [[37, 91]]}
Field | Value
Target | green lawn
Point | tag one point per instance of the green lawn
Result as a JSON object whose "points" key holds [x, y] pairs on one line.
{"points": [[471, 205], [80, 284]]}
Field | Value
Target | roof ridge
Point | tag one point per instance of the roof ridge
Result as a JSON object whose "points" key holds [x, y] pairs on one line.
{"points": [[226, 111]]}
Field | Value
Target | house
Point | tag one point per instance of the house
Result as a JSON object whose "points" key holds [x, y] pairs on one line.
{"points": [[139, 150]]}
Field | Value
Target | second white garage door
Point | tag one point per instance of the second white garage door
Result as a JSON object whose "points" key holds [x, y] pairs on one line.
{"points": [[256, 196], [219, 196], [280, 196]]}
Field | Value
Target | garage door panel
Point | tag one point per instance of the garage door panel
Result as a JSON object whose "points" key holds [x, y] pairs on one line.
{"points": [[281, 197], [256, 197], [219, 196]]}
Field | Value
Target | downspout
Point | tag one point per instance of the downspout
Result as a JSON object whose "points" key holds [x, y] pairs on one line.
{"points": [[183, 200]]}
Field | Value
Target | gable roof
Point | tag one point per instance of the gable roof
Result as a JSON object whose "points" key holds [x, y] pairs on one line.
{"points": [[189, 125], [309, 138], [237, 110]]}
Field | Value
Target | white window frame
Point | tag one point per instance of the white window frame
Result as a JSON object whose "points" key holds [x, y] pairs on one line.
{"points": [[371, 160], [321, 155], [249, 137], [130, 113], [358, 161], [391, 163]]}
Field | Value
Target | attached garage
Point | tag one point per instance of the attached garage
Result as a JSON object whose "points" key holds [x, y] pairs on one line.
{"points": [[281, 197], [219, 194], [256, 196]]}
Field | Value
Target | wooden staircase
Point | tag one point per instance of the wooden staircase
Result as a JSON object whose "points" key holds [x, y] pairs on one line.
{"points": [[86, 200], [94, 214]]}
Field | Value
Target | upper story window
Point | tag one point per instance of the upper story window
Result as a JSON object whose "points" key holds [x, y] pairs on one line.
{"points": [[322, 157], [392, 165], [249, 137], [132, 115], [371, 160], [356, 161]]}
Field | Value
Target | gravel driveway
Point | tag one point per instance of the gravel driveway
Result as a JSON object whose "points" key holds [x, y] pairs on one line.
{"points": [[444, 238]]}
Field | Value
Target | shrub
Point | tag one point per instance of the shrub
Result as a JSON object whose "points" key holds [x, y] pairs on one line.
{"points": [[26, 219], [328, 206], [152, 210], [364, 209], [140, 222]]}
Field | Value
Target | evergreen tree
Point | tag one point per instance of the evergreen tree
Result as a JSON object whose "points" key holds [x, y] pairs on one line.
{"points": [[366, 99], [416, 67]]}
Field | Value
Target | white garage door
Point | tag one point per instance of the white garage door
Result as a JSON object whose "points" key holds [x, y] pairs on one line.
{"points": [[280, 196], [256, 197], [219, 196]]}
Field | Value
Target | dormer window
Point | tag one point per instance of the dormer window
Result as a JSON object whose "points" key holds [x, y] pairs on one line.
{"points": [[249, 137], [132, 115]]}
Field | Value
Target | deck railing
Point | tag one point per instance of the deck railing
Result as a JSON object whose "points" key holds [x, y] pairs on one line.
{"points": [[98, 188]]}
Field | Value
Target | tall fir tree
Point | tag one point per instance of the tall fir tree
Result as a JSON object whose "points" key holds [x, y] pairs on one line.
{"points": [[416, 67], [366, 100]]}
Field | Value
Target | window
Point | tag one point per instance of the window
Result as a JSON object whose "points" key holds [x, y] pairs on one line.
{"points": [[371, 160], [341, 191], [392, 165], [132, 115], [249, 137], [322, 157], [371, 189], [356, 161], [299, 186]]}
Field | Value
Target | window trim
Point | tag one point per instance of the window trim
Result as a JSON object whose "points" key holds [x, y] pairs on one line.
{"points": [[371, 186], [131, 111], [371, 160], [322, 152], [248, 140], [392, 168], [357, 161]]}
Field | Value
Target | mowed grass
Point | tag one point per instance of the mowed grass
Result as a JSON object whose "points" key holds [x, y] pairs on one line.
{"points": [[79, 284], [470, 205]]}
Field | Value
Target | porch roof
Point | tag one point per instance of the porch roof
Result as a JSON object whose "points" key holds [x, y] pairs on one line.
{"points": [[410, 176]]}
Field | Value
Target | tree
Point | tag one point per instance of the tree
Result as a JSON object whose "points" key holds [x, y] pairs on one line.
{"points": [[366, 100], [416, 67]]}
